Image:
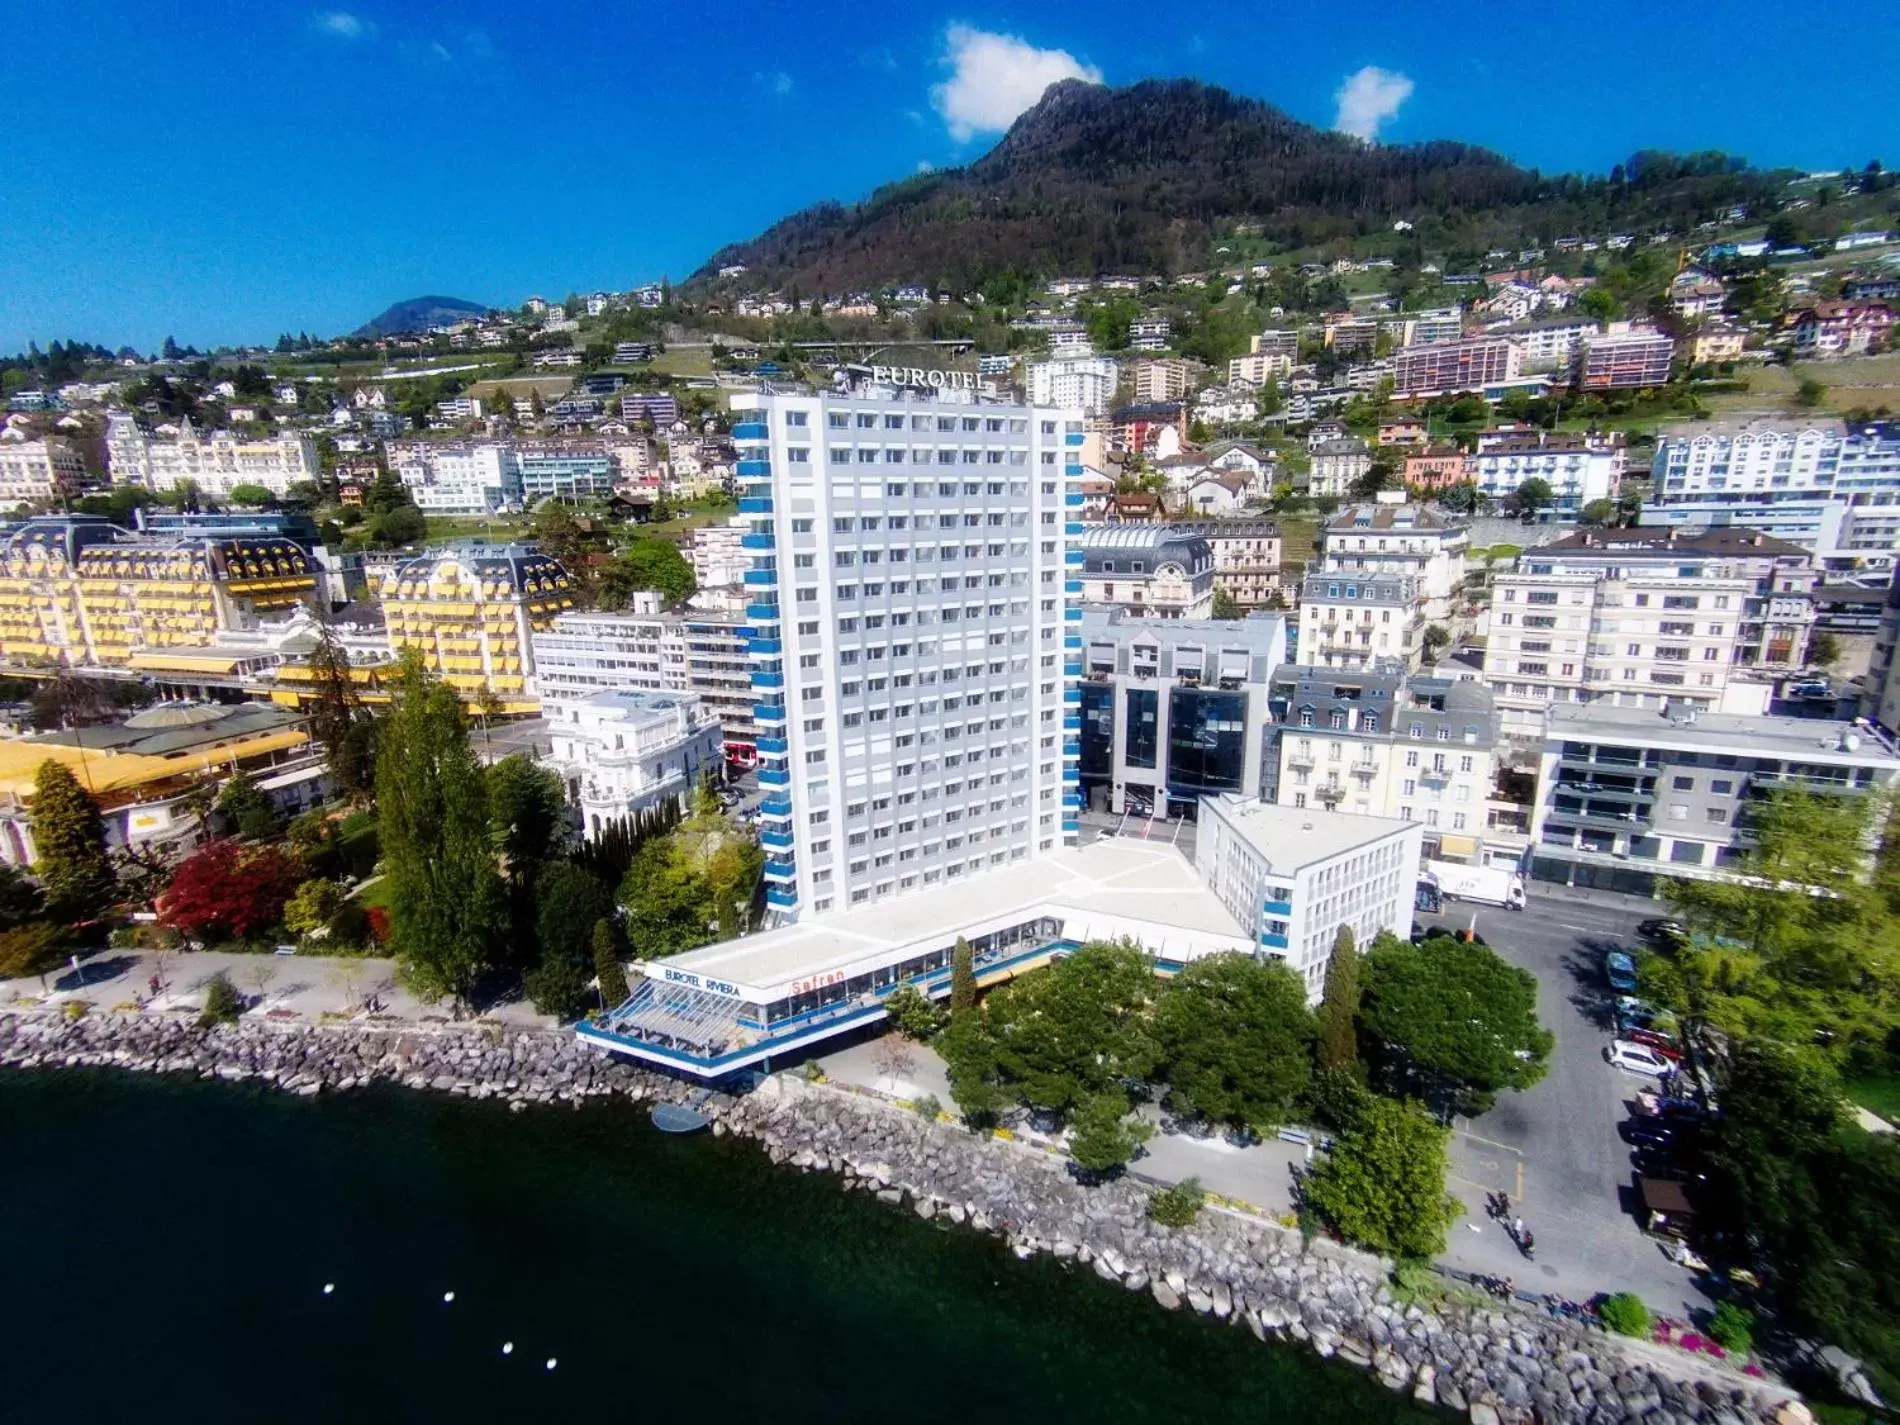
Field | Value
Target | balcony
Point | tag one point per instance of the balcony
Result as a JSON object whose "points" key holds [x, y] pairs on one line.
{"points": [[774, 777], [1072, 530], [1072, 697], [782, 897], [1072, 640], [781, 868], [765, 646], [772, 746], [755, 505], [1616, 766], [1368, 770], [776, 839], [751, 431], [777, 808], [762, 612], [1302, 761], [768, 712], [1071, 724], [761, 578], [754, 470], [768, 680], [1628, 822], [757, 541], [1585, 787], [1331, 793], [1072, 615], [1072, 438], [1072, 586], [1073, 501], [1074, 557], [1071, 749], [1434, 776]]}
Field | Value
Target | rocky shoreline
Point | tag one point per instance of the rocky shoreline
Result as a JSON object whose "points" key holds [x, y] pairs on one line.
{"points": [[1494, 1365]]}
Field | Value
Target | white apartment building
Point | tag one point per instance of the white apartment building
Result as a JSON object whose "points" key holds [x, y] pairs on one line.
{"points": [[1356, 621], [622, 751], [1336, 465], [1391, 536], [1552, 344], [215, 462], [1379, 743], [584, 653], [1259, 367], [910, 611], [1576, 473], [719, 557], [37, 471], [1619, 634], [458, 479], [1778, 476], [1163, 379], [1086, 383], [1292, 876]]}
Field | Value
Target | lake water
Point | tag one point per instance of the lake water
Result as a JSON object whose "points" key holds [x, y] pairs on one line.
{"points": [[167, 1244]]}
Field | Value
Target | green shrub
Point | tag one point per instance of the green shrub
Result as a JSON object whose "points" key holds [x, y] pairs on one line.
{"points": [[1733, 1328], [927, 1108], [913, 1014], [1179, 1205], [223, 1003], [1625, 1314]]}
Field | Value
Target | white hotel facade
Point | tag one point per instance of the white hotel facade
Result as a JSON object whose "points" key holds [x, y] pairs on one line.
{"points": [[914, 641]]}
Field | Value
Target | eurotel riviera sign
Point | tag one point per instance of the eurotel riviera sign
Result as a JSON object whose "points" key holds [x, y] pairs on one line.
{"points": [[918, 376]]}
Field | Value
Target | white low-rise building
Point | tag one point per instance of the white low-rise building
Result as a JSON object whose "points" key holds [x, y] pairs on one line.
{"points": [[214, 462], [625, 750], [1292, 876], [1085, 381]]}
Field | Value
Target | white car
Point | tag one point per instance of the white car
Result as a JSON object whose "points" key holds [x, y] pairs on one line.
{"points": [[1637, 1058]]}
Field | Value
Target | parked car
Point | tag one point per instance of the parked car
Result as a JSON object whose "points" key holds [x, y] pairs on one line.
{"points": [[1647, 1133], [1812, 688], [1637, 1058], [1663, 1044], [1663, 932], [1620, 970]]}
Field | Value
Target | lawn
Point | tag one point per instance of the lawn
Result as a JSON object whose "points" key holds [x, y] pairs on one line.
{"points": [[375, 893], [1878, 1092], [438, 529]]}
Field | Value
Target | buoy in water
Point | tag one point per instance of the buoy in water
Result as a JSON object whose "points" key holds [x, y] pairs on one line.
{"points": [[550, 1363], [507, 1348], [448, 1296], [328, 1288]]}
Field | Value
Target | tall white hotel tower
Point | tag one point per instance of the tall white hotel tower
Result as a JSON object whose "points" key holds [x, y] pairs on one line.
{"points": [[914, 635]]}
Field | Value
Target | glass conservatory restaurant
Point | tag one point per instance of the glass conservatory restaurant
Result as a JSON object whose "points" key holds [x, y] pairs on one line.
{"points": [[736, 1005]]}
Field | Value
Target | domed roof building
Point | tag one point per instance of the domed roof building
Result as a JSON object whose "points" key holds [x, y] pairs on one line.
{"points": [[473, 612]]}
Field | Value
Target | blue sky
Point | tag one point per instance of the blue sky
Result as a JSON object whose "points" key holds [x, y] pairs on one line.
{"points": [[224, 171]]}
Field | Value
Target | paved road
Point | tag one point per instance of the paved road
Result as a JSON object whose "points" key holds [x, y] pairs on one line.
{"points": [[1555, 1149]]}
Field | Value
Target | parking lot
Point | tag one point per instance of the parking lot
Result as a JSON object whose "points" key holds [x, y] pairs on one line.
{"points": [[1556, 1148]]}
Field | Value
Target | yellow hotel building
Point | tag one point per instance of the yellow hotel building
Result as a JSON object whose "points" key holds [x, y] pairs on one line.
{"points": [[83, 592], [473, 613]]}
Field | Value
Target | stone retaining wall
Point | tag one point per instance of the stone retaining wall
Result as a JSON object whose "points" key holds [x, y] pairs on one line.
{"points": [[1496, 1365]]}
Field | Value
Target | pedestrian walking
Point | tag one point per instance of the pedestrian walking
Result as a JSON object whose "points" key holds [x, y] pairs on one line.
{"points": [[1517, 1228]]}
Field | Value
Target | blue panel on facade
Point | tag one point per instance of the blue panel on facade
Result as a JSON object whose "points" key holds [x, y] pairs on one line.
{"points": [[772, 746], [1278, 942], [768, 712], [1281, 908], [755, 505], [757, 541], [764, 613], [774, 777], [751, 430], [763, 645], [781, 897]]}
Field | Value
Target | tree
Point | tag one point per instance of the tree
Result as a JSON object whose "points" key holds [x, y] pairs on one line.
{"points": [[665, 905], [223, 1003], [1598, 303], [568, 903], [21, 900], [1436, 636], [247, 810], [1179, 1205], [31, 949], [1453, 1011], [338, 720], [646, 563], [446, 902], [1338, 1039], [225, 891], [1624, 1313], [1597, 513], [527, 811], [968, 1051], [69, 845], [607, 970], [311, 908], [1383, 1185], [1236, 1038], [1530, 497], [253, 495], [1068, 1033], [1104, 1138], [1824, 650], [1225, 605], [1462, 498], [1810, 393], [962, 977], [910, 1010]]}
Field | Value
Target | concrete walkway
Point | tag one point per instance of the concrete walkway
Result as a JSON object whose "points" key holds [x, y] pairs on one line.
{"points": [[310, 988]]}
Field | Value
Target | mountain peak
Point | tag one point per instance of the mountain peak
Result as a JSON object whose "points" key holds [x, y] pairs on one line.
{"points": [[418, 314]]}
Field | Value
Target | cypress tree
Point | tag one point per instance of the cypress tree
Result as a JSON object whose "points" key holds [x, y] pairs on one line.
{"points": [[962, 977], [447, 905], [1338, 1046], [69, 843], [337, 717], [613, 979]]}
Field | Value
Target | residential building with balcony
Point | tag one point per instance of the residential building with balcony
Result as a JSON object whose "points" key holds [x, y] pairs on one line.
{"points": [[622, 751], [215, 462], [1293, 876], [566, 470], [38, 470], [1830, 487], [1154, 570], [1336, 466], [1376, 742], [661, 408], [1167, 378], [1246, 552], [1626, 360], [580, 654], [911, 600], [1629, 798], [1832, 329], [1393, 536], [1350, 620], [457, 478], [1084, 382], [1173, 711], [473, 613], [1576, 471], [1265, 362], [1446, 368]]}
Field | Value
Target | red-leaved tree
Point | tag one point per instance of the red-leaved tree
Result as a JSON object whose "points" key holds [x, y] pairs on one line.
{"points": [[227, 891]]}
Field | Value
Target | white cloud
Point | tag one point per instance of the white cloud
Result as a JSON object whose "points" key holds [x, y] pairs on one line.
{"points": [[993, 78], [1367, 99], [438, 50], [342, 25], [778, 83]]}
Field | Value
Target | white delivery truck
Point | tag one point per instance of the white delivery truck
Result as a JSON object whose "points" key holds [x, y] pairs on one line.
{"points": [[1487, 885]]}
